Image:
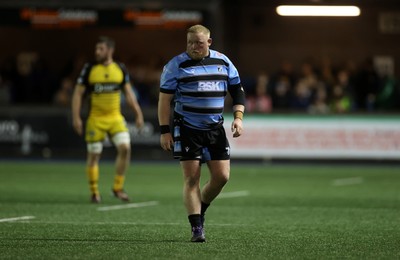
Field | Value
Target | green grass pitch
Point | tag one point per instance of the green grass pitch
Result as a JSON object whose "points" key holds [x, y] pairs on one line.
{"points": [[265, 212]]}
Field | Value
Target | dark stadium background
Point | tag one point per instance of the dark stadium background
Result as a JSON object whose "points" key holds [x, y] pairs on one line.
{"points": [[249, 32]]}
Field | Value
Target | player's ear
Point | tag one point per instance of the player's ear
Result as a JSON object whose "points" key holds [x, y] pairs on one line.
{"points": [[209, 41]]}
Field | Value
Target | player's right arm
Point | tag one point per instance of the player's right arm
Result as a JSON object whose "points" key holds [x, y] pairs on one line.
{"points": [[76, 108], [164, 113], [79, 91], [168, 85]]}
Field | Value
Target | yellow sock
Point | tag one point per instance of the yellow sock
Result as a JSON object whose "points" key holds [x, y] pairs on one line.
{"points": [[93, 177], [118, 182]]}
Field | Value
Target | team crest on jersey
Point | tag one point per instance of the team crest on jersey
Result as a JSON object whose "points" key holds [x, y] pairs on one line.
{"points": [[219, 69]]}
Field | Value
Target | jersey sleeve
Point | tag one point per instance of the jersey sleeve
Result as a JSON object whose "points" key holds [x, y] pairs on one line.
{"points": [[127, 78], [169, 75], [233, 74], [83, 78]]}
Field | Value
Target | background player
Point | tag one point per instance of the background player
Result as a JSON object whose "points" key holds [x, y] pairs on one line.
{"points": [[104, 81]]}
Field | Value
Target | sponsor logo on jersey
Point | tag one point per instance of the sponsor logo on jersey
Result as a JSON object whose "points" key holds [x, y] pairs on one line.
{"points": [[99, 88], [208, 86]]}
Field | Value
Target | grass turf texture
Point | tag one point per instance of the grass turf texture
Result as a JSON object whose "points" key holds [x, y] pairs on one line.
{"points": [[290, 212]]}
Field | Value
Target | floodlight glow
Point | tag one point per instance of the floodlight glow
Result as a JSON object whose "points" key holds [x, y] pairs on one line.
{"points": [[318, 10]]}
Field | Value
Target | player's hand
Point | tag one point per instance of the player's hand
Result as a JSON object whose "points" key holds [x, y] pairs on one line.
{"points": [[78, 126], [139, 122], [237, 127], [166, 142]]}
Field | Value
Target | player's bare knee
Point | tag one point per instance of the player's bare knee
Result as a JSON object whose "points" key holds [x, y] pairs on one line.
{"points": [[192, 181], [224, 178], [220, 178], [124, 150]]}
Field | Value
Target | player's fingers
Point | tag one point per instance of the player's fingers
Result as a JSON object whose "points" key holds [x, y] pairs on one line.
{"points": [[238, 132], [166, 146], [234, 131]]}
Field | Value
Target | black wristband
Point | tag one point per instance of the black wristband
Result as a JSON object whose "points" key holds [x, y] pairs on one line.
{"points": [[164, 129]]}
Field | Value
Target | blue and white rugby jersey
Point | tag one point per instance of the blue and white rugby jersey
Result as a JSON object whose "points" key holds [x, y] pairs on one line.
{"points": [[200, 87]]}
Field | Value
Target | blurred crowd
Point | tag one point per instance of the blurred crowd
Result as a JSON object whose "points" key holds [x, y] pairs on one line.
{"points": [[322, 88], [311, 87], [28, 80]]}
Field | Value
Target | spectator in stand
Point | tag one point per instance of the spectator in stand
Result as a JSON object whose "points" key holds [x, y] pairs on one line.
{"points": [[302, 96], [320, 101], [24, 83], [260, 101], [281, 86], [341, 102], [308, 75], [344, 81], [30, 80], [366, 86], [304, 88], [388, 97], [63, 96], [327, 73], [146, 75]]}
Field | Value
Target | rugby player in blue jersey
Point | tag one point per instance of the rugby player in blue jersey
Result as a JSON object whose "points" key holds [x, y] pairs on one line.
{"points": [[197, 81]]}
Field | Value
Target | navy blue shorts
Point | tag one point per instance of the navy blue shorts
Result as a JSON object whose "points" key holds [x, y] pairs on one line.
{"points": [[203, 145]]}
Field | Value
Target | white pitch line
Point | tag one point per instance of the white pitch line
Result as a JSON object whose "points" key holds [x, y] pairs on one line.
{"points": [[16, 219], [347, 181], [233, 194], [129, 223], [128, 206]]}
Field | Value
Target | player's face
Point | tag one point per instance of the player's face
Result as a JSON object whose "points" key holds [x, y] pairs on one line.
{"points": [[198, 45], [102, 53]]}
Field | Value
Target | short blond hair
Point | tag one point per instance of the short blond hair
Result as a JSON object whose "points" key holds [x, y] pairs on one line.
{"points": [[198, 28]]}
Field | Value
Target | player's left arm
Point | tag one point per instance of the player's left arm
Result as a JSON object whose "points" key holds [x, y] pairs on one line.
{"points": [[132, 102], [238, 99]]}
